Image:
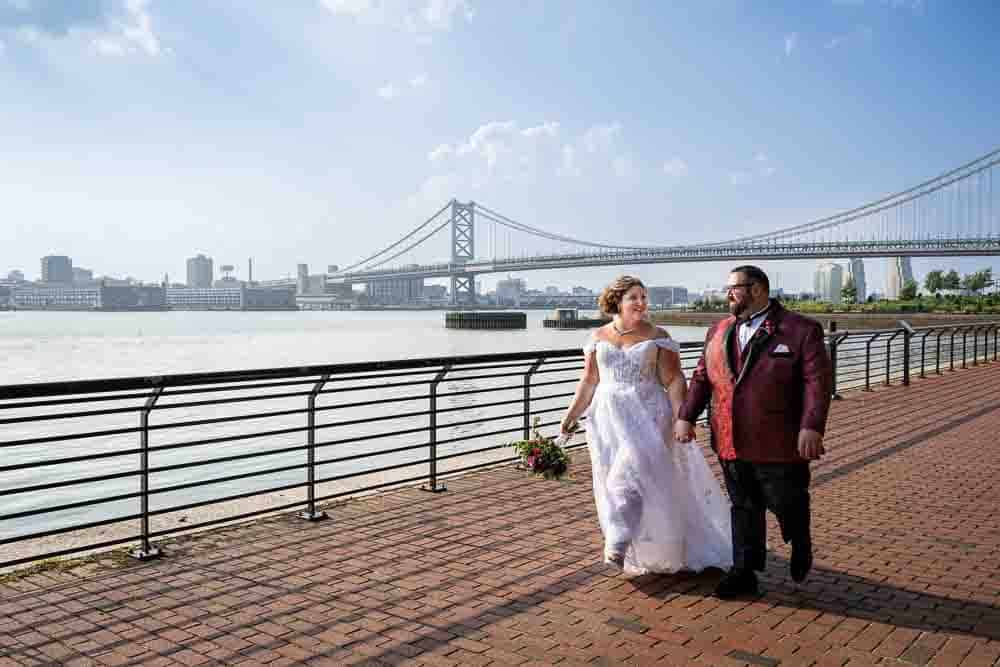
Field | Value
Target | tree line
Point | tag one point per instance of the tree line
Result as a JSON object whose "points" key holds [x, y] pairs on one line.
{"points": [[934, 282]]}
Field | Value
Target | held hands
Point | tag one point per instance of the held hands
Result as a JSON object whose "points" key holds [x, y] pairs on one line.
{"points": [[810, 444], [683, 431]]}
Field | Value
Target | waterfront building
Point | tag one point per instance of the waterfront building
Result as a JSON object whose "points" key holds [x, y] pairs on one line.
{"points": [[238, 297], [199, 271], [900, 272], [82, 276], [57, 269], [666, 296], [15, 276], [856, 270], [828, 281], [51, 297], [510, 291], [394, 291]]}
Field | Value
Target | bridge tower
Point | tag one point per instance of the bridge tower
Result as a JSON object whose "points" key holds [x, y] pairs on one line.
{"points": [[463, 249]]}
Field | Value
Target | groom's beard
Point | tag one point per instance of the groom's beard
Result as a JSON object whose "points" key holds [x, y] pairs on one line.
{"points": [[739, 309]]}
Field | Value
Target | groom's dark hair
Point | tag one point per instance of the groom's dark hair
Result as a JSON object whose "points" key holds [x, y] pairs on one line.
{"points": [[754, 274]]}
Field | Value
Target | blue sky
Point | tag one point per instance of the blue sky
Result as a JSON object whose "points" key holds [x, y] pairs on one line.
{"points": [[139, 132]]}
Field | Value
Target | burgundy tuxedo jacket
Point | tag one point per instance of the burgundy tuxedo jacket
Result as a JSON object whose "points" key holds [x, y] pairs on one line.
{"points": [[782, 386]]}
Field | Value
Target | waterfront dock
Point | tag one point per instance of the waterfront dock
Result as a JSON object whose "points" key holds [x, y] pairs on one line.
{"points": [[505, 570]]}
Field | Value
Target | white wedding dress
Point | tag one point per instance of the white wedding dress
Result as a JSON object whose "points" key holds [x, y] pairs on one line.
{"points": [[657, 500]]}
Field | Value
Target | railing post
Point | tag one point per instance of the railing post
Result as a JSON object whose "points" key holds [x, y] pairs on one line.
{"points": [[951, 350], [937, 362], [527, 397], [923, 353], [310, 513], [888, 358], [147, 550], [868, 362], [834, 345], [907, 332], [975, 346], [996, 334], [965, 350], [432, 485]]}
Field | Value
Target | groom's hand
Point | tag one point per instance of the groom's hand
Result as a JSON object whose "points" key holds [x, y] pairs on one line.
{"points": [[683, 431], [810, 444]]}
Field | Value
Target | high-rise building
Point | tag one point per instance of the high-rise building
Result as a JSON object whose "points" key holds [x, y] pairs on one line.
{"points": [[199, 271], [667, 295], [900, 273], [828, 282], [509, 291], [57, 269], [856, 270], [82, 276]]}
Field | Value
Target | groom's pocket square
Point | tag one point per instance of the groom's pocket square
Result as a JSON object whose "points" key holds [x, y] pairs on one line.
{"points": [[781, 350]]}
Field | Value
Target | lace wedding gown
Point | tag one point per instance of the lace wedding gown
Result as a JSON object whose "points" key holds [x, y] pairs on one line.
{"points": [[657, 500]]}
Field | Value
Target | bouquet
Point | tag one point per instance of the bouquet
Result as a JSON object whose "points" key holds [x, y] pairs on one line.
{"points": [[543, 455]]}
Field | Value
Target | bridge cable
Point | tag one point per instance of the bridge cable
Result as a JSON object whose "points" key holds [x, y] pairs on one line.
{"points": [[390, 247]]}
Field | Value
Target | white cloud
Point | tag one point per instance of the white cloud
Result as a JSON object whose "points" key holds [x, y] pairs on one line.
{"points": [[108, 47], [675, 167], [440, 153], [791, 42], [439, 14], [139, 28], [550, 129], [600, 137], [418, 81], [388, 92]]}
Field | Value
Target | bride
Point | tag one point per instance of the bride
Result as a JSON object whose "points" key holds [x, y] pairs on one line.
{"points": [[659, 506]]}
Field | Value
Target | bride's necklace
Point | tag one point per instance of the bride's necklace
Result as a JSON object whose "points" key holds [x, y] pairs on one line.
{"points": [[618, 331]]}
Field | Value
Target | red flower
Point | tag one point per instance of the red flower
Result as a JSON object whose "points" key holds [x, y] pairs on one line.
{"points": [[536, 452], [768, 327]]}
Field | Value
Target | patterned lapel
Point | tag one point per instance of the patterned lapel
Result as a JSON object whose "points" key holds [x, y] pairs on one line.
{"points": [[760, 338], [730, 330]]}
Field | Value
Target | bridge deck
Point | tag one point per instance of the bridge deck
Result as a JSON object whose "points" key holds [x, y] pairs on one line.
{"points": [[504, 570]]}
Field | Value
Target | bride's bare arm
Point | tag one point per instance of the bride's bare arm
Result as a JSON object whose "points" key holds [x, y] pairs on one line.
{"points": [[672, 378], [584, 392]]}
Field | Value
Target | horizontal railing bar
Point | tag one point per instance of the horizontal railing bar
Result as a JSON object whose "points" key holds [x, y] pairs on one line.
{"points": [[68, 459], [69, 482], [370, 454], [69, 529], [54, 416], [226, 499], [372, 487], [73, 436], [228, 478], [227, 459], [32, 390], [228, 438], [70, 506], [373, 436]]}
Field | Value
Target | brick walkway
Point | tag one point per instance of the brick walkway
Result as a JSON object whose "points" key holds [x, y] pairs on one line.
{"points": [[502, 570]]}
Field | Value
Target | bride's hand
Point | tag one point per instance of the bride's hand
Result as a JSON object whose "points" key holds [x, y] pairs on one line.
{"points": [[568, 425]]}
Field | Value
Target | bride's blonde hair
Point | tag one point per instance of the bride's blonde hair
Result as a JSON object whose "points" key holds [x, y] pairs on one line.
{"points": [[611, 298]]}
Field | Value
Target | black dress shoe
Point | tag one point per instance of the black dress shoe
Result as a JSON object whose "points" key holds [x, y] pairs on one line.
{"points": [[802, 559], [738, 583]]}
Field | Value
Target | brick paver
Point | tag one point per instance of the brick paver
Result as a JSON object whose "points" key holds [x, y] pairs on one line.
{"points": [[505, 570]]}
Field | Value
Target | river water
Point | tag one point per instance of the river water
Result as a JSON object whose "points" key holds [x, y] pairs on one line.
{"points": [[37, 346], [49, 346]]}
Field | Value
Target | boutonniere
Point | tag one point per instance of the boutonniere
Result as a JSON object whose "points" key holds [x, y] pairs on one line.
{"points": [[765, 330]]}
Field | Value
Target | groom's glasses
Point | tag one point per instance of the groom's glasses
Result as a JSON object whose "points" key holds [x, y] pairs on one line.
{"points": [[729, 288]]}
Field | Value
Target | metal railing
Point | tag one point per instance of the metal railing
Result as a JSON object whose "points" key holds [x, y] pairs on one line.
{"points": [[93, 464]]}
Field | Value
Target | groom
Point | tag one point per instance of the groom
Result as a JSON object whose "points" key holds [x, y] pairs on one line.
{"points": [[767, 374]]}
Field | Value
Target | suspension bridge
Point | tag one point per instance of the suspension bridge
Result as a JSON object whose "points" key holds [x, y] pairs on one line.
{"points": [[953, 214]]}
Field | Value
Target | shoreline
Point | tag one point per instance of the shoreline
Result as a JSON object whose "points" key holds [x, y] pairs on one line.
{"points": [[844, 321]]}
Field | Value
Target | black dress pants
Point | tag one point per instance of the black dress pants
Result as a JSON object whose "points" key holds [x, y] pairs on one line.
{"points": [[782, 488]]}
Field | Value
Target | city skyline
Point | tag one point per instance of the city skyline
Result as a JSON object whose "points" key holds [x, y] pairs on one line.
{"points": [[319, 130]]}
